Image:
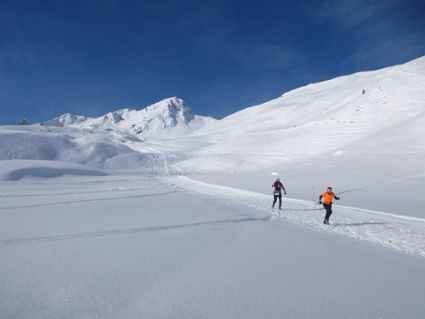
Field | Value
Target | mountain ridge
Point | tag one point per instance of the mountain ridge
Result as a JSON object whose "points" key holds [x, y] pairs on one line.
{"points": [[352, 114], [170, 114]]}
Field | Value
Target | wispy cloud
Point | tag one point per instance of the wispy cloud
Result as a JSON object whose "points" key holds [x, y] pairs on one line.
{"points": [[268, 57], [378, 33], [390, 50], [351, 13], [346, 13]]}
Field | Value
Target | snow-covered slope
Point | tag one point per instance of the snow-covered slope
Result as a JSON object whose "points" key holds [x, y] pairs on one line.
{"points": [[94, 148], [373, 116], [65, 120], [323, 118], [168, 117], [369, 146]]}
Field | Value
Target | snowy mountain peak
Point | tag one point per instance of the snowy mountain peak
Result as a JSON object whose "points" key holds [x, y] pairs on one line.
{"points": [[172, 102], [156, 120], [172, 111], [113, 117], [65, 120]]}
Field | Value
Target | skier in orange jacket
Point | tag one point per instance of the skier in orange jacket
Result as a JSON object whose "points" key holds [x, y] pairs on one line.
{"points": [[327, 196]]}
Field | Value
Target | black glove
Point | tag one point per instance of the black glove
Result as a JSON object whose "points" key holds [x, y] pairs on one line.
{"points": [[320, 202], [337, 198], [285, 193]]}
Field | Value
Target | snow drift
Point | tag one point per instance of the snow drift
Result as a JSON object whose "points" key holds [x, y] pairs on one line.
{"points": [[19, 169], [94, 148]]}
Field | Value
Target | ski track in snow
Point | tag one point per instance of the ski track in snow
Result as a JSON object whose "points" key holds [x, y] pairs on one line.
{"points": [[402, 233], [106, 190], [115, 232], [91, 200]]}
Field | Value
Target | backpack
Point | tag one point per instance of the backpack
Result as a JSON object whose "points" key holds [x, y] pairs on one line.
{"points": [[277, 187]]}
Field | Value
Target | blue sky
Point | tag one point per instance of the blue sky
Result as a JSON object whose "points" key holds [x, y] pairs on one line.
{"points": [[90, 57]]}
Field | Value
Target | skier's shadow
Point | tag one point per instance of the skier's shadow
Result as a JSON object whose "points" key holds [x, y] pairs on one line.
{"points": [[358, 224]]}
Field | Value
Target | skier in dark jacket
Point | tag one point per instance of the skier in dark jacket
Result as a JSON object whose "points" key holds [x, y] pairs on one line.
{"points": [[277, 192], [327, 196]]}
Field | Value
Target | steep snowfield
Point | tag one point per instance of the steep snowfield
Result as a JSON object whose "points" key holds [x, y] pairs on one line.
{"points": [[168, 117], [323, 119]]}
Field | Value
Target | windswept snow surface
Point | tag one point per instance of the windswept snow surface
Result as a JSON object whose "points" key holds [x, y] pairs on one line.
{"points": [[126, 246]]}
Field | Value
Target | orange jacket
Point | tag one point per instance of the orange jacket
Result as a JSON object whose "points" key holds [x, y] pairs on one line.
{"points": [[327, 198]]}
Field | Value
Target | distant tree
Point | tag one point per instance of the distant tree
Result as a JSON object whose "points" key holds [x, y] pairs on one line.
{"points": [[22, 122], [364, 91]]}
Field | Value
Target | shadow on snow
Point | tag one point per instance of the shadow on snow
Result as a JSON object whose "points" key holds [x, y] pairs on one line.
{"points": [[114, 232], [358, 224]]}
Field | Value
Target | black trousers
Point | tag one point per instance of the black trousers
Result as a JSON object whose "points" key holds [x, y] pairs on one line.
{"points": [[275, 199], [328, 208]]}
